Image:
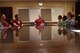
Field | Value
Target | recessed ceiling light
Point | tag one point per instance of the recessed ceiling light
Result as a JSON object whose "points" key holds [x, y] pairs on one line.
{"points": [[40, 3]]}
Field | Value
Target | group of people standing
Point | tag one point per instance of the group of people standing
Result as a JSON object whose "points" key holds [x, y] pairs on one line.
{"points": [[67, 21], [16, 24], [4, 25]]}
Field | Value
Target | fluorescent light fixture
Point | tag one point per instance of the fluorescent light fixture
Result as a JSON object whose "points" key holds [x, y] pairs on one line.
{"points": [[75, 30], [40, 4]]}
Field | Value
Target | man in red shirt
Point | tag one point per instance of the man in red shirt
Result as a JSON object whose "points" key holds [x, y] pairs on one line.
{"points": [[17, 24], [39, 24]]}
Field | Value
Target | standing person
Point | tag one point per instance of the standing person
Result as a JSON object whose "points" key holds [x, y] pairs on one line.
{"points": [[71, 22], [65, 20], [39, 24], [60, 22], [5, 24], [17, 24]]}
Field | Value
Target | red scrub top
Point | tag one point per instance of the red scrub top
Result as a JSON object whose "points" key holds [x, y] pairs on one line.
{"points": [[5, 23], [17, 24], [39, 23]]}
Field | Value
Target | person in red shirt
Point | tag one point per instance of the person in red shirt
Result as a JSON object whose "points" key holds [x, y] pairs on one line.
{"points": [[17, 23], [5, 24], [39, 24]]}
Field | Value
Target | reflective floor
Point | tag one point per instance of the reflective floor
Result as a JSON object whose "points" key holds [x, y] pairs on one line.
{"points": [[51, 40]]}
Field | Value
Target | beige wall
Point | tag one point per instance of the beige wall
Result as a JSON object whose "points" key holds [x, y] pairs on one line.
{"points": [[68, 6]]}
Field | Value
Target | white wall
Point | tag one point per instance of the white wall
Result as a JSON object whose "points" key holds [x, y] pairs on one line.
{"points": [[33, 15], [55, 12]]}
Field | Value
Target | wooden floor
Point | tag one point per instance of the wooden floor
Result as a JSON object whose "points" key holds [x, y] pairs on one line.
{"points": [[64, 43], [38, 47]]}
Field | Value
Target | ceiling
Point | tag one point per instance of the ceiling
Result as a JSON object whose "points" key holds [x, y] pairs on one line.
{"points": [[38, 0]]}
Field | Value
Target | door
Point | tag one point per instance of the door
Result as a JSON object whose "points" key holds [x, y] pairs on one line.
{"points": [[46, 32]]}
